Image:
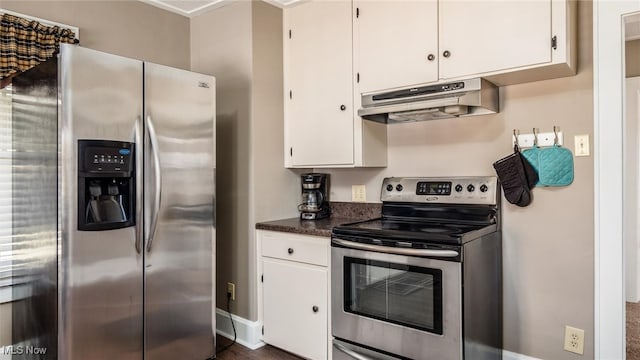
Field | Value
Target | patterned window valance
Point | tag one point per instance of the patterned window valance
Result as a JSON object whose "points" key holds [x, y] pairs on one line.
{"points": [[25, 43]]}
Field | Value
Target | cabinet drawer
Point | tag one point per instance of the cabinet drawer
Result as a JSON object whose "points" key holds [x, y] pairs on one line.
{"points": [[294, 247]]}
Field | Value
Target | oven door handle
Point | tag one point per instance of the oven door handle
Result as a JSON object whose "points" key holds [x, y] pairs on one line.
{"points": [[350, 352], [396, 250]]}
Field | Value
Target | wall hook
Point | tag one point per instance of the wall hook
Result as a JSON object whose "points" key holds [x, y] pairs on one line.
{"points": [[535, 138], [555, 135]]}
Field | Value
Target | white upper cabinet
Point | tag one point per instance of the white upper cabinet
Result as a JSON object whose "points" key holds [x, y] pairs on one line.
{"points": [[405, 43], [319, 100], [396, 43], [322, 128], [483, 36]]}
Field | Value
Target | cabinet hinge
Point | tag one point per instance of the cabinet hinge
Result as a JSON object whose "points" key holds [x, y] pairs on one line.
{"points": [[289, 33], [357, 77], [554, 42], [263, 330], [357, 13], [290, 94]]}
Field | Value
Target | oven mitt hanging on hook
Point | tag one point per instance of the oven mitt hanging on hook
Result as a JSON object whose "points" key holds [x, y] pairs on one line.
{"points": [[532, 157], [555, 166], [517, 177]]}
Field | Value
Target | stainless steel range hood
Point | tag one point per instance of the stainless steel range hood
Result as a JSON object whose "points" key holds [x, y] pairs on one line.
{"points": [[431, 102]]}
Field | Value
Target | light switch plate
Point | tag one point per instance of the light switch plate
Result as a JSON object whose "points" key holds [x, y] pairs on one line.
{"points": [[582, 145], [358, 193]]}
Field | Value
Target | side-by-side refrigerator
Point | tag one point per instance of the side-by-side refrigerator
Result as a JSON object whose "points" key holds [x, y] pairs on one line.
{"points": [[128, 271]]}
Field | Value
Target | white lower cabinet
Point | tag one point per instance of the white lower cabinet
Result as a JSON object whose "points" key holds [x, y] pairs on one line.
{"points": [[295, 293]]}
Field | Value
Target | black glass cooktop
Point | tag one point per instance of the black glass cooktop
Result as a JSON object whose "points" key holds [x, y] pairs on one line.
{"points": [[414, 231]]}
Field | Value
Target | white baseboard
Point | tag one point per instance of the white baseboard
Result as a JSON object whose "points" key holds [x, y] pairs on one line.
{"points": [[249, 333], [508, 355]]}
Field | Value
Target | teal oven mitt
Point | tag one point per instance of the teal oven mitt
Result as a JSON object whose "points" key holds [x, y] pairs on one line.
{"points": [[555, 166]]}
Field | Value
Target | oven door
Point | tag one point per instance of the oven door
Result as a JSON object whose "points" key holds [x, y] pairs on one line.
{"points": [[403, 305]]}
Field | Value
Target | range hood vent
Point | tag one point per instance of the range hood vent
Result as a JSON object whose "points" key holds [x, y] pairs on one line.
{"points": [[430, 102]]}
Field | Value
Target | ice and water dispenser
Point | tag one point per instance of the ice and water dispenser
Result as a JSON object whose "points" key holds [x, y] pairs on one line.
{"points": [[106, 185]]}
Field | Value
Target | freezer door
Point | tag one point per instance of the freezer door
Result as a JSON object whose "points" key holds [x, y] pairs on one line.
{"points": [[100, 272], [179, 213]]}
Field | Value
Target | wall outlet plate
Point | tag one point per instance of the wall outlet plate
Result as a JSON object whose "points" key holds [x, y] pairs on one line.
{"points": [[231, 290], [358, 193], [574, 340]]}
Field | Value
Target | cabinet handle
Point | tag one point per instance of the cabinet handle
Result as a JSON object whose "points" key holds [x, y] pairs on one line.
{"points": [[446, 53], [343, 107], [431, 57], [315, 309], [290, 251]]}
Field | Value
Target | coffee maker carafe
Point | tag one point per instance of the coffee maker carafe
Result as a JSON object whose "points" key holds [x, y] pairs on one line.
{"points": [[315, 196]]}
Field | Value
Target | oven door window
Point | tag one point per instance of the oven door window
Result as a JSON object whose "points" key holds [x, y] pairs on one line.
{"points": [[401, 294]]}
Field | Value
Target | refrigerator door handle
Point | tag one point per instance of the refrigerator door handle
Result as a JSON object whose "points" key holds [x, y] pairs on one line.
{"points": [[138, 151], [153, 141]]}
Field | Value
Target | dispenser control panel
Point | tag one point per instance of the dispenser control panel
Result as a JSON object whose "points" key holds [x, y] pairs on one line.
{"points": [[106, 185], [98, 158]]}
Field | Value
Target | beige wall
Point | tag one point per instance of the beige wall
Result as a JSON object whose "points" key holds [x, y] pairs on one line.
{"points": [[241, 44], [632, 54], [276, 190], [129, 28], [548, 246], [5, 324], [221, 44]]}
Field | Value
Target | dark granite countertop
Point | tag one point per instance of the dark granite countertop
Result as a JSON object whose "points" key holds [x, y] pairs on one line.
{"points": [[306, 227], [341, 213]]}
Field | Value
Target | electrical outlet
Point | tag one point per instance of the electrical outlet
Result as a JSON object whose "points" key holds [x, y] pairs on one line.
{"points": [[574, 340], [582, 145], [231, 290], [358, 193]]}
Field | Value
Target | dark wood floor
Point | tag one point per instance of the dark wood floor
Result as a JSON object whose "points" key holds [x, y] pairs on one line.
{"points": [[633, 331], [237, 352]]}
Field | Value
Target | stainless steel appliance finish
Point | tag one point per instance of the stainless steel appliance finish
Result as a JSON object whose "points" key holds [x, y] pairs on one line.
{"points": [[140, 291], [393, 338], [100, 284], [397, 282], [430, 102], [179, 204]]}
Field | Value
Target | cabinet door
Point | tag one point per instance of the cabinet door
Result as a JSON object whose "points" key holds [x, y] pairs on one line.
{"points": [[396, 43], [485, 36], [319, 83], [290, 292]]}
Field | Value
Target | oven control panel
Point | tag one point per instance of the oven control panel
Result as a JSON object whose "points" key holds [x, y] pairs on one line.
{"points": [[481, 190]]}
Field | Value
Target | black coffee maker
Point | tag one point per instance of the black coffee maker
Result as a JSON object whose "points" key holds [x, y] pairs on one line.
{"points": [[315, 196]]}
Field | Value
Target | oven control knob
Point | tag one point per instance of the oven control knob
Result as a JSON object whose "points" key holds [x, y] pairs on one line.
{"points": [[399, 187], [484, 188], [458, 188], [471, 188], [389, 187]]}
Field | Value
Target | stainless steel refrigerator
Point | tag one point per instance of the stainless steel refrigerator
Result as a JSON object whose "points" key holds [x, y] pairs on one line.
{"points": [[119, 221]]}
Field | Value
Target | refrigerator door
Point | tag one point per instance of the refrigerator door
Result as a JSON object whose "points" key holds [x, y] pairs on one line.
{"points": [[179, 213], [100, 272]]}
